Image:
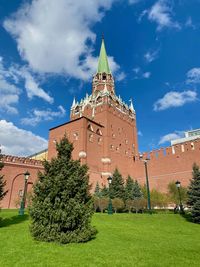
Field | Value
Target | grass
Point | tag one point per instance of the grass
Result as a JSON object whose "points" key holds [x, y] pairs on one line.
{"points": [[122, 240]]}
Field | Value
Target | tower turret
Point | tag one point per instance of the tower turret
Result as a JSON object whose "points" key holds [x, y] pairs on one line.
{"points": [[103, 75]]}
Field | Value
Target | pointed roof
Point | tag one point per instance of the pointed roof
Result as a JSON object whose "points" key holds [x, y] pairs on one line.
{"points": [[103, 60]]}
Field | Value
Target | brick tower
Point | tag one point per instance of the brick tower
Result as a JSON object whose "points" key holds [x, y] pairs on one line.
{"points": [[102, 128]]}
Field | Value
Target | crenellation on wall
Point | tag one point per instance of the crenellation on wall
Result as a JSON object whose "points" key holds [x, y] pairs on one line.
{"points": [[20, 160], [175, 150]]}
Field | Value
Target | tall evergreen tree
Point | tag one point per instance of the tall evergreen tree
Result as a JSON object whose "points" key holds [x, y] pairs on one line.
{"points": [[62, 207], [137, 191], [97, 191], [194, 194], [104, 191], [117, 186], [2, 181], [132, 189], [129, 188]]}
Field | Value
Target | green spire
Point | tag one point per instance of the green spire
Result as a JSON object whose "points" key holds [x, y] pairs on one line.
{"points": [[103, 60]]}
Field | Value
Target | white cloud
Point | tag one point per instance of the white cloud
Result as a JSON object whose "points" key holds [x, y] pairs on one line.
{"points": [[144, 12], [171, 136], [151, 56], [9, 93], [193, 75], [175, 99], [120, 76], [146, 75], [10, 78], [16, 141], [161, 13], [140, 133], [189, 23], [32, 87], [137, 70], [139, 74], [57, 38], [43, 115]]}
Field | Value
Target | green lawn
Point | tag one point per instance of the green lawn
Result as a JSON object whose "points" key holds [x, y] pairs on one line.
{"points": [[122, 240]]}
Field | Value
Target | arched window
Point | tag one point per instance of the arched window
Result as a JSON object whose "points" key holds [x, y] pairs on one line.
{"points": [[192, 145], [99, 100], [77, 109], [117, 104], [99, 140], [75, 136], [98, 132], [104, 76], [90, 128], [91, 137]]}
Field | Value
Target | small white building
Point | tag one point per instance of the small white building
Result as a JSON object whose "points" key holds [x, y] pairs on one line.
{"points": [[189, 136]]}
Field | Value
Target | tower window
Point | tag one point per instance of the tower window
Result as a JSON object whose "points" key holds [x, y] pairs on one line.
{"points": [[75, 136], [77, 110], [113, 135], [90, 127], [99, 132], [192, 146], [99, 140], [111, 147], [104, 76], [91, 137], [99, 100]]}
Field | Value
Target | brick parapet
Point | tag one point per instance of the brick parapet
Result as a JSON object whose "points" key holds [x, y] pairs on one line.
{"points": [[8, 159], [182, 149]]}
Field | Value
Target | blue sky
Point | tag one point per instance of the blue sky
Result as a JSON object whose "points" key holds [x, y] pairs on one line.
{"points": [[49, 51]]}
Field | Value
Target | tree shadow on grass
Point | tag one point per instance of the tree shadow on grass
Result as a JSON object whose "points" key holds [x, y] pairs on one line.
{"points": [[187, 217], [5, 222]]}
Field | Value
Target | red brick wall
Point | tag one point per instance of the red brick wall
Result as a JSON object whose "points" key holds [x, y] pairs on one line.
{"points": [[13, 170], [170, 164], [164, 166]]}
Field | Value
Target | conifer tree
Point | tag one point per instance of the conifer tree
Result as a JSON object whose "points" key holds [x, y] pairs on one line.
{"points": [[97, 191], [132, 189], [117, 186], [129, 188], [62, 207], [137, 191], [104, 191], [194, 194], [2, 181]]}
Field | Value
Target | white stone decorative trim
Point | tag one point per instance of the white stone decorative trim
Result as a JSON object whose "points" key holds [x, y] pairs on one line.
{"points": [[105, 160], [82, 154], [106, 174]]}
